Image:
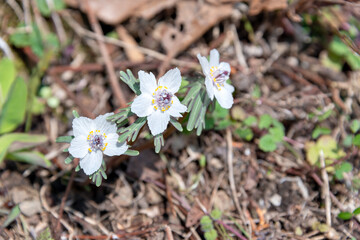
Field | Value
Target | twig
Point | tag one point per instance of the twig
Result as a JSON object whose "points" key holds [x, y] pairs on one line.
{"points": [[238, 49], [67, 191], [114, 82], [168, 232], [16, 8], [231, 169], [326, 191]]}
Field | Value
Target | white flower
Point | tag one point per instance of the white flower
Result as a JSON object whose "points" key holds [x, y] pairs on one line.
{"points": [[93, 138], [216, 75], [157, 101]]}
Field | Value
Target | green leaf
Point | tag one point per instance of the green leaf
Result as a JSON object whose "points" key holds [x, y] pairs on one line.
{"points": [[64, 139], [265, 121], [355, 126], [121, 118], [277, 134], [338, 47], [44, 7], [256, 93], [211, 235], [131, 153], [220, 112], [131, 81], [250, 121], [14, 213], [320, 131], [353, 61], [341, 169], [325, 115], [356, 211], [244, 133], [202, 161], [131, 132], [45, 235], [267, 143], [194, 108], [13, 111], [36, 43], [348, 141], [345, 215], [31, 157], [356, 140], [7, 73], [158, 142], [206, 223], [176, 124], [216, 214], [75, 114], [99, 175], [69, 159], [7, 139]]}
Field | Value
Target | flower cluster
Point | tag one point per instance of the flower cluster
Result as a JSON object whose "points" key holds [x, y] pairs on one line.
{"points": [[156, 103]]}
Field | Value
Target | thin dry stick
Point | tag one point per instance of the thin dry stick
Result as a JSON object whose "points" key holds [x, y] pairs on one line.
{"points": [[231, 169], [109, 65], [67, 191], [326, 187], [168, 232]]}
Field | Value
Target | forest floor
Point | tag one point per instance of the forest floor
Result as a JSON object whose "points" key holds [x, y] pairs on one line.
{"points": [[294, 64]]}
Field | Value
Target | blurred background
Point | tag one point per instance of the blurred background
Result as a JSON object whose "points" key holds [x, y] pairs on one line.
{"points": [[283, 163]]}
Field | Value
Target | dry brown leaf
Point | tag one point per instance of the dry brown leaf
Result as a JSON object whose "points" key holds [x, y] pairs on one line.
{"points": [[133, 54], [110, 11], [193, 20], [257, 6], [196, 213], [152, 7]]}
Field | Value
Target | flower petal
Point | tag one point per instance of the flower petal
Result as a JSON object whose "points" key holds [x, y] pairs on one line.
{"points": [[224, 97], [79, 146], [142, 105], [103, 125], [229, 87], [147, 82], [214, 58], [172, 80], [209, 87], [176, 108], [225, 67], [158, 122], [91, 162], [82, 126], [204, 64], [114, 147]]}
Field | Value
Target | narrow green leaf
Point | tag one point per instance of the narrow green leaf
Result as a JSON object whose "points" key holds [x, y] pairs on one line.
{"points": [[78, 168], [13, 111], [75, 114], [7, 73], [176, 124], [14, 213], [356, 140], [64, 139], [131, 152], [7, 139], [158, 142], [31, 157], [320, 131], [131, 132], [131, 81], [355, 126], [196, 107]]}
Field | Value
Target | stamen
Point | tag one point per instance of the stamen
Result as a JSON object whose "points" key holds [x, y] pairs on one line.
{"points": [[162, 98], [96, 141]]}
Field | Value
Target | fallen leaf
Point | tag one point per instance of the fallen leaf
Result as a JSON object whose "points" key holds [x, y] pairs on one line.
{"points": [[257, 6]]}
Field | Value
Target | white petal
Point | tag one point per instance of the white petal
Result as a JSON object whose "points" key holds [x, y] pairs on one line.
{"points": [[147, 82], [225, 67], [224, 97], [158, 122], [176, 108], [204, 64], [103, 125], [142, 105], [91, 162], [214, 58], [114, 147], [79, 146], [82, 126], [209, 87], [229, 87], [171, 80]]}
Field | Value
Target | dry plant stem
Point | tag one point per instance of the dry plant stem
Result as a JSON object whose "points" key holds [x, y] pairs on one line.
{"points": [[326, 187], [70, 94], [168, 232], [231, 169], [67, 191], [109, 65]]}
